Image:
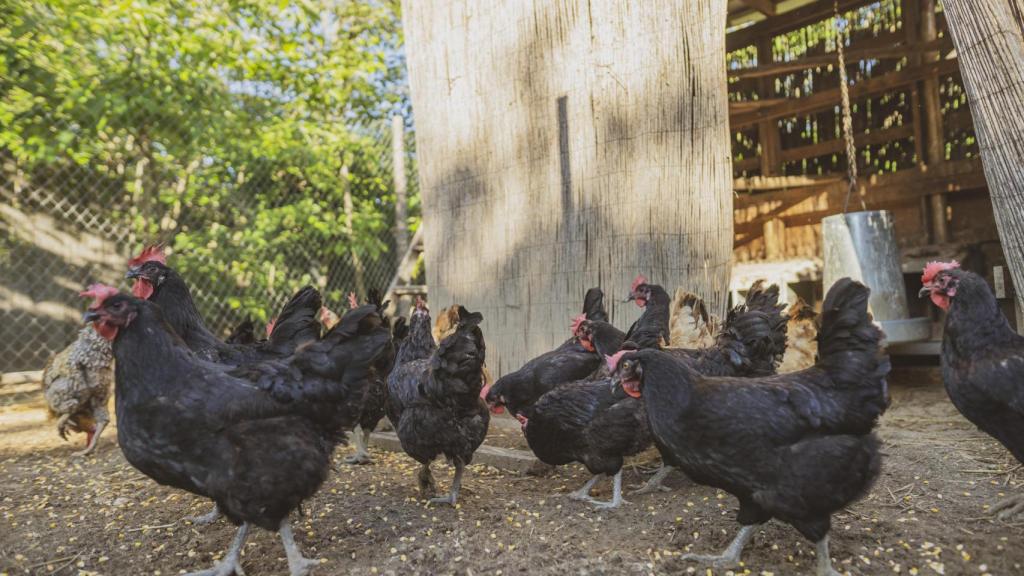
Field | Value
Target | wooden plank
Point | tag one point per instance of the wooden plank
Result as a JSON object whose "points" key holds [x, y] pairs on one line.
{"points": [[504, 458], [829, 98], [768, 131], [782, 182], [12, 378], [889, 52], [838, 145], [787, 21], [766, 7]]}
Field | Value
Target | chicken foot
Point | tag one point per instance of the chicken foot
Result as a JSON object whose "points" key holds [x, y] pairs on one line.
{"points": [[426, 481], [1009, 508], [102, 418], [453, 495], [298, 565], [617, 499], [206, 519], [584, 492], [731, 555], [362, 455], [229, 564], [655, 483], [824, 560], [62, 426]]}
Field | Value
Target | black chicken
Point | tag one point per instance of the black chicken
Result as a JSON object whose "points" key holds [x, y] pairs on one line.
{"points": [[982, 361], [573, 360], [296, 324], [434, 401], [375, 404], [797, 446], [652, 329], [258, 441]]}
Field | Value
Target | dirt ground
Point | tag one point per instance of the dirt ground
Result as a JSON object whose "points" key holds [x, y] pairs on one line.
{"points": [[926, 515]]}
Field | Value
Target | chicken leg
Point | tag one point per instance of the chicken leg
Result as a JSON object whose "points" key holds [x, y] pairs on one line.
{"points": [[102, 418], [453, 494], [824, 560], [206, 519], [616, 500], [426, 481], [362, 455], [584, 492], [655, 483], [229, 565], [731, 555], [1009, 508], [298, 565]]}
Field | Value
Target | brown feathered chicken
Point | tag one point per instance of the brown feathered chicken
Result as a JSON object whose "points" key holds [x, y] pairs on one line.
{"points": [[690, 324], [802, 336], [76, 384], [445, 325]]}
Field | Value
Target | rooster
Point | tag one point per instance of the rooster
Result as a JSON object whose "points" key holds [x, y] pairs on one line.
{"points": [[982, 361], [434, 401], [257, 440], [802, 348], [76, 385], [797, 447]]}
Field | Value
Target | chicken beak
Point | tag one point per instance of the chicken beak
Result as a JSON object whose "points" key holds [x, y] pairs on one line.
{"points": [[631, 297], [134, 272], [90, 316], [925, 291]]}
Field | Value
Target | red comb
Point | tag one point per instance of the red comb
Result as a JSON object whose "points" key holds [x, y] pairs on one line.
{"points": [[613, 360], [99, 293], [270, 326], [151, 253], [577, 321], [934, 268], [353, 302], [640, 279]]}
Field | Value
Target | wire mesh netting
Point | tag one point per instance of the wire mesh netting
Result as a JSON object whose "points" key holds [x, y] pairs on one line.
{"points": [[243, 236]]}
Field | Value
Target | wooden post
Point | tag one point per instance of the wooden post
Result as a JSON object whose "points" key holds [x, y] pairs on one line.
{"points": [[401, 194], [529, 199], [989, 41], [775, 239], [768, 130], [932, 114], [349, 208]]}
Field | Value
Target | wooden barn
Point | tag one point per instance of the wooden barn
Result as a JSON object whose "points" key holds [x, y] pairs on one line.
{"points": [[559, 150]]}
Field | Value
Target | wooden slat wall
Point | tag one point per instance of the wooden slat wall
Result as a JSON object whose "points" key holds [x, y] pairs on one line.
{"points": [[565, 144]]}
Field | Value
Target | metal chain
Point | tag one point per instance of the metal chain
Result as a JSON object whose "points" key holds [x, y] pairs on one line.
{"points": [[844, 90]]}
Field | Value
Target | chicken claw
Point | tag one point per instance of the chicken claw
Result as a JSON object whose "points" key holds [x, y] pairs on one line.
{"points": [[825, 560], [426, 481], [62, 426], [94, 438], [362, 455], [731, 556], [1009, 508], [206, 519], [655, 483], [617, 499], [584, 492], [453, 495], [229, 565], [298, 565]]}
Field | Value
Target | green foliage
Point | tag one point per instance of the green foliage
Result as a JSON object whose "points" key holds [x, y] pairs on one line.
{"points": [[233, 127]]}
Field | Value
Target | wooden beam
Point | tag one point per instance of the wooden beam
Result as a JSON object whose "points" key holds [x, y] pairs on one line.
{"points": [[766, 7], [782, 182], [829, 98], [838, 144], [785, 22], [890, 52]]}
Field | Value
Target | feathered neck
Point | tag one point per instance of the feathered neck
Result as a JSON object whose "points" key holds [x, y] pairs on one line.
{"points": [[975, 322], [179, 309], [419, 344]]}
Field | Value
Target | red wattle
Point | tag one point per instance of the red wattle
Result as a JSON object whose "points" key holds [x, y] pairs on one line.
{"points": [[142, 288]]}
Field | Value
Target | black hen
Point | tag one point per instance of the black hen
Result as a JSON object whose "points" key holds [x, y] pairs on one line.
{"points": [[982, 361], [573, 360], [652, 329], [296, 324], [257, 441], [435, 402], [798, 446]]}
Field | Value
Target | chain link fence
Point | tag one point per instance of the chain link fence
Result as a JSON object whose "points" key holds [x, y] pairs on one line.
{"points": [[244, 236]]}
